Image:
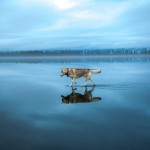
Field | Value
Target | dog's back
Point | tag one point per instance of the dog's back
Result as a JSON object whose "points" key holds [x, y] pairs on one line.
{"points": [[80, 72]]}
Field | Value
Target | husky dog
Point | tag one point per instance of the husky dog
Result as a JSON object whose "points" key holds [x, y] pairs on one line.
{"points": [[77, 73], [80, 98]]}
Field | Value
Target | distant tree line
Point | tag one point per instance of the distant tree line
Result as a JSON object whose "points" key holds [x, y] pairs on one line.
{"points": [[74, 60], [120, 51]]}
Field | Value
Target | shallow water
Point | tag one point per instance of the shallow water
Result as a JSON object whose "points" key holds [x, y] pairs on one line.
{"points": [[38, 110]]}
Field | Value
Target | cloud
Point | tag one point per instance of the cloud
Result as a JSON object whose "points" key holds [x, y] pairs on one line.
{"points": [[56, 26], [57, 4], [103, 16], [64, 4]]}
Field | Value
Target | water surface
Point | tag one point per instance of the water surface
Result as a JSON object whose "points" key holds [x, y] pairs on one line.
{"points": [[113, 115]]}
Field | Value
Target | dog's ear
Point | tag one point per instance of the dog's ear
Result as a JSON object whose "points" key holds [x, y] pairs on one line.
{"points": [[62, 96]]}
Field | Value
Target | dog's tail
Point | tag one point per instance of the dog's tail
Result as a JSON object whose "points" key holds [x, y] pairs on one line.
{"points": [[95, 70]]}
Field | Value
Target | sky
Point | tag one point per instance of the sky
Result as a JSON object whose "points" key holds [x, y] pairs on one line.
{"points": [[74, 24]]}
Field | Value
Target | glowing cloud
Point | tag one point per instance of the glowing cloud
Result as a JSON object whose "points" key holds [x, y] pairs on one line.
{"points": [[57, 4]]}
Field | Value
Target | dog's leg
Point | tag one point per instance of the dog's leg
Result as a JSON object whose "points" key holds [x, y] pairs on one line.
{"points": [[73, 90], [92, 82], [73, 80], [84, 84], [92, 89]]}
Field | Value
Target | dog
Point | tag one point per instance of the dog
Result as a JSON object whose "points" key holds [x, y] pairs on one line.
{"points": [[75, 73], [80, 98]]}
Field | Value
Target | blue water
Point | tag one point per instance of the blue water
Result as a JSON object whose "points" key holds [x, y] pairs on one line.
{"points": [[34, 116]]}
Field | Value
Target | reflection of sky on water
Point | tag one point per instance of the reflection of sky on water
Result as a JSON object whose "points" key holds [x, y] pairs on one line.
{"points": [[32, 115]]}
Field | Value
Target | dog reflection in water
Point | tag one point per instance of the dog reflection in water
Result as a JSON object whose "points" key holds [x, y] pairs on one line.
{"points": [[80, 98]]}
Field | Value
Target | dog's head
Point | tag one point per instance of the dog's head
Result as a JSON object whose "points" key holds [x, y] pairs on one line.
{"points": [[64, 71]]}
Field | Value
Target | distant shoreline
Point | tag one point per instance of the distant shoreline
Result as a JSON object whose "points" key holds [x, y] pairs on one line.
{"points": [[75, 59], [78, 53], [74, 56]]}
